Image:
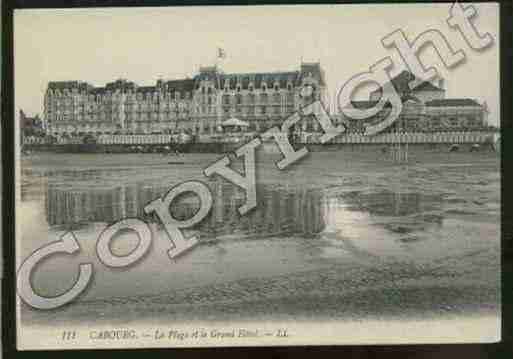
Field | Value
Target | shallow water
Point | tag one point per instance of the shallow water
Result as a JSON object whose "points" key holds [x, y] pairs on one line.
{"points": [[329, 213]]}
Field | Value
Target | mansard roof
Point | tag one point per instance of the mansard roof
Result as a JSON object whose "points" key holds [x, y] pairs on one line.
{"points": [[401, 84], [259, 79], [362, 104], [62, 85], [453, 102], [120, 84], [184, 85], [408, 97], [206, 73], [97, 91]]}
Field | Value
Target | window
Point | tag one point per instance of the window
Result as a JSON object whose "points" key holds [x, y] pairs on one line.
{"points": [[226, 99], [453, 121], [263, 98], [238, 99]]}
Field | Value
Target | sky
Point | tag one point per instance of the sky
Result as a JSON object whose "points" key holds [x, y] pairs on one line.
{"points": [[145, 44]]}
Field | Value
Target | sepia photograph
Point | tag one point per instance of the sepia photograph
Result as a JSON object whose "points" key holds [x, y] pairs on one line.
{"points": [[223, 176]]}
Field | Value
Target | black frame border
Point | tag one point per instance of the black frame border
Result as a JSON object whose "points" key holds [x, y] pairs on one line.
{"points": [[504, 349]]}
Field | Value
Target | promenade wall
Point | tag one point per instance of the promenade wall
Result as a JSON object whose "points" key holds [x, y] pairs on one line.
{"points": [[219, 144]]}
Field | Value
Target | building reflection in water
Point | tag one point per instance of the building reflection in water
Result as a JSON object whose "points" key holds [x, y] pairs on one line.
{"points": [[388, 203], [75, 199], [280, 210]]}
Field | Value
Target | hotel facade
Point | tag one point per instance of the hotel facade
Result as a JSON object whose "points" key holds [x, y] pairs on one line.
{"points": [[195, 105], [201, 104]]}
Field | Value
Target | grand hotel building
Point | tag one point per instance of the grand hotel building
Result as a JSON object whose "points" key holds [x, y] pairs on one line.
{"points": [[199, 105], [196, 105]]}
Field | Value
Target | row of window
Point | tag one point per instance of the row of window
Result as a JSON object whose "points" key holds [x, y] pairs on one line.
{"points": [[436, 122], [154, 96], [252, 99], [203, 110], [238, 88], [454, 122], [145, 96], [227, 98], [148, 109]]}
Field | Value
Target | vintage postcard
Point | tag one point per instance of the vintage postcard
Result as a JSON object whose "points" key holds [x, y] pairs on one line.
{"points": [[257, 175]]}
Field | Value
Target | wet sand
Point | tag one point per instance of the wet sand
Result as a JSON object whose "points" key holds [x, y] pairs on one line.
{"points": [[408, 242]]}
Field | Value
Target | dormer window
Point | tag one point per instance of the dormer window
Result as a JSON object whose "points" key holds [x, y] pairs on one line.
{"points": [[238, 88], [264, 87], [251, 88], [276, 88], [289, 87]]}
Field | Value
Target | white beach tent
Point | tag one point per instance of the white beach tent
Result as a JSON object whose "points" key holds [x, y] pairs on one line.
{"points": [[234, 122]]}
